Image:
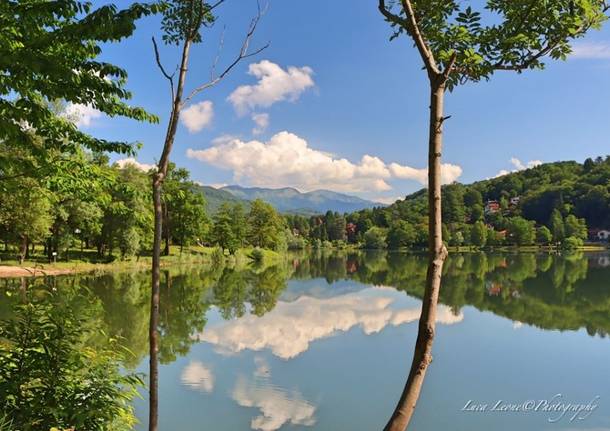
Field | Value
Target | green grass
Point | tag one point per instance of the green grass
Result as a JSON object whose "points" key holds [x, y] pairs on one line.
{"points": [[89, 261]]}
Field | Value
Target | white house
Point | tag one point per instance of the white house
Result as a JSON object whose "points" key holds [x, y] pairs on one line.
{"points": [[603, 235], [599, 234]]}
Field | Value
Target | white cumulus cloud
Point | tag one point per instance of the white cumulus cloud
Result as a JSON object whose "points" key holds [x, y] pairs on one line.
{"points": [[518, 166], [198, 116], [290, 327], [274, 85], [133, 162], [288, 160], [591, 50], [81, 115], [262, 122], [277, 406], [198, 376]]}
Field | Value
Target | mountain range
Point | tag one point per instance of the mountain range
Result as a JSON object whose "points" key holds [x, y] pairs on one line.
{"points": [[286, 200]]}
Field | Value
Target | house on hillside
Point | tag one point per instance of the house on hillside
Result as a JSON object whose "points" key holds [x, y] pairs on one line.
{"points": [[492, 207], [515, 200], [599, 234]]}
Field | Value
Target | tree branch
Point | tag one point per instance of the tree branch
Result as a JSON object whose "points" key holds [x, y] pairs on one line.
{"points": [[449, 67], [410, 24], [169, 77], [390, 16], [243, 54], [420, 42], [550, 45]]}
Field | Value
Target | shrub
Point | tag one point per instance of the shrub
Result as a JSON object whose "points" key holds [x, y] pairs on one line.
{"points": [[50, 377], [572, 243], [218, 255], [257, 255], [374, 238]]}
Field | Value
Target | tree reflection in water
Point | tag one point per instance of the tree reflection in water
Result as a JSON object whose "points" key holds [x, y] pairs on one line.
{"points": [[566, 292]]}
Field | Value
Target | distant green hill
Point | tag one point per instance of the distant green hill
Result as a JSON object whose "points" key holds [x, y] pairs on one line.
{"points": [[582, 189], [216, 197]]}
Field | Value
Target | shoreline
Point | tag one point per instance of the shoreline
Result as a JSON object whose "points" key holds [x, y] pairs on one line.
{"points": [[194, 256], [203, 256]]}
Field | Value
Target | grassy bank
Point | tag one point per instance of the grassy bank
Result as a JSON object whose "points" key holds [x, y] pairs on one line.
{"points": [[88, 261]]}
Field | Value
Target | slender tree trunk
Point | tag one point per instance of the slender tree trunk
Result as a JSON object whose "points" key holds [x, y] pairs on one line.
{"points": [[437, 253], [157, 184], [154, 309], [23, 249], [166, 229]]}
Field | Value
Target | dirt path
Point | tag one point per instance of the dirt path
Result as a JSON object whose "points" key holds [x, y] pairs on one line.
{"points": [[26, 271]]}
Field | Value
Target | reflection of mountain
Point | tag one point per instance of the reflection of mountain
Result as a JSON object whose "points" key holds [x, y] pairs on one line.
{"points": [[290, 327], [277, 406]]}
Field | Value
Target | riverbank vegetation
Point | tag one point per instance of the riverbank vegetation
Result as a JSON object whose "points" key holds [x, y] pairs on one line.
{"points": [[97, 212]]}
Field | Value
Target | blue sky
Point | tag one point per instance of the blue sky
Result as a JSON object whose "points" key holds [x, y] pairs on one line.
{"points": [[347, 109]]}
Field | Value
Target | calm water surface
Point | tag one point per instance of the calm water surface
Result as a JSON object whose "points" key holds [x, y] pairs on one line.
{"points": [[324, 341]]}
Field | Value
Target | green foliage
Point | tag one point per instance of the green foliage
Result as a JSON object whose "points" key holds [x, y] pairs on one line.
{"points": [[575, 227], [50, 51], [185, 219], [544, 235], [502, 35], [375, 238], [521, 231], [544, 194], [25, 212], [478, 234], [265, 226], [183, 19], [401, 234], [228, 228], [50, 377], [572, 243], [257, 255]]}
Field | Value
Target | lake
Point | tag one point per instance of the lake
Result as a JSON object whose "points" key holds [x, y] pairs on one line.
{"points": [[323, 341]]}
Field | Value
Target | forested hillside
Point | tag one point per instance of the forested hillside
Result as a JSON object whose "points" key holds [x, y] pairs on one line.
{"points": [[558, 203]]}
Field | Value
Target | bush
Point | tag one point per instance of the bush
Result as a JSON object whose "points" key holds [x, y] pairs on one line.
{"points": [[374, 238], [572, 243], [218, 255], [50, 377], [257, 255]]}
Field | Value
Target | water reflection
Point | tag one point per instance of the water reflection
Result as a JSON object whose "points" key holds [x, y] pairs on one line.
{"points": [[547, 291], [290, 327], [277, 406], [198, 376]]}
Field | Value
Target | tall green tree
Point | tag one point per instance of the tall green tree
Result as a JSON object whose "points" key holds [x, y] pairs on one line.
{"points": [[50, 51], [25, 213], [265, 226], [478, 234], [229, 227], [557, 226], [456, 47], [575, 227], [521, 231]]}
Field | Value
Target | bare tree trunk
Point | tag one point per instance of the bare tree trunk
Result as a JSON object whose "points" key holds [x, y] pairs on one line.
{"points": [[437, 253], [153, 335], [166, 229], [23, 249], [157, 184]]}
